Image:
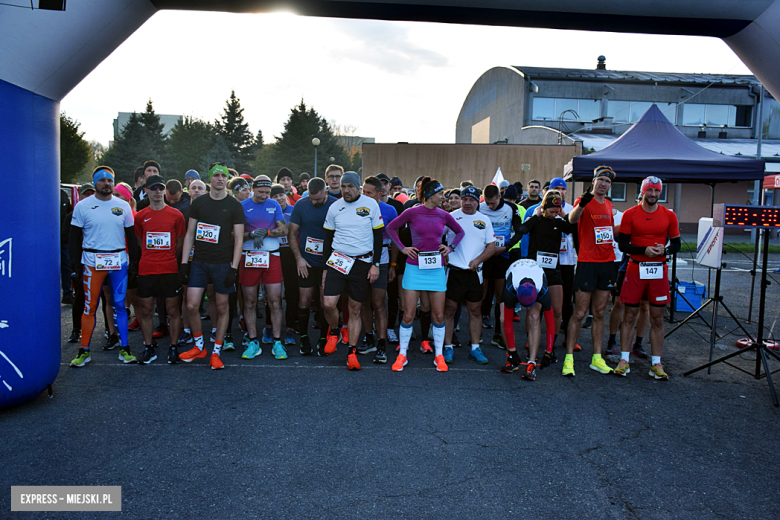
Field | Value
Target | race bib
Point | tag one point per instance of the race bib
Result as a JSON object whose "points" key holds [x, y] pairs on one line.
{"points": [[192, 252], [603, 235], [313, 246], [564, 244], [500, 241], [108, 261], [341, 263], [158, 240], [283, 242], [429, 260], [257, 259], [547, 260], [651, 270], [207, 233]]}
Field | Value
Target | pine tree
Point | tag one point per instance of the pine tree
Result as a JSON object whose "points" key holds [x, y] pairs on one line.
{"points": [[132, 147], [188, 144], [219, 152], [236, 132], [74, 149], [155, 129]]}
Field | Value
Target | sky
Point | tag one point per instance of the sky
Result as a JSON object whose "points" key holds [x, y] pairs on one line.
{"points": [[394, 81]]}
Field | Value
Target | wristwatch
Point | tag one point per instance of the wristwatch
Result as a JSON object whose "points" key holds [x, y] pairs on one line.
{"points": [[376, 264]]}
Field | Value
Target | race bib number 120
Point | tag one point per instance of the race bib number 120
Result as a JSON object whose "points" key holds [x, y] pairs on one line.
{"points": [[207, 233]]}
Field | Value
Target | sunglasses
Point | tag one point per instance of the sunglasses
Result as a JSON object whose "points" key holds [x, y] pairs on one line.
{"points": [[156, 187], [654, 180]]}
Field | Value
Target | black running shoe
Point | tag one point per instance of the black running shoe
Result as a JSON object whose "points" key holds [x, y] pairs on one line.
{"points": [[75, 336], [548, 359], [498, 341], [305, 346], [639, 352], [369, 345], [321, 347], [173, 355], [611, 349], [148, 356], [511, 366], [380, 356], [530, 371], [111, 342], [588, 322], [486, 322]]}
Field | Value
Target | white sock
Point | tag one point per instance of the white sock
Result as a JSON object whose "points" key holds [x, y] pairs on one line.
{"points": [[438, 338], [474, 346], [199, 342], [217, 347], [656, 360], [404, 335], [188, 331], [624, 356]]}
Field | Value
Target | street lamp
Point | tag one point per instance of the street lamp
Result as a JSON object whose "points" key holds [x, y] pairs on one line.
{"points": [[316, 143]]}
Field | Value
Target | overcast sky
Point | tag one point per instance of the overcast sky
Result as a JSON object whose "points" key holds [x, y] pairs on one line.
{"points": [[393, 81]]}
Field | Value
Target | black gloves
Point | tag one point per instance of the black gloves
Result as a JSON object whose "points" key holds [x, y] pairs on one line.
{"points": [[184, 273], [586, 197], [231, 277]]}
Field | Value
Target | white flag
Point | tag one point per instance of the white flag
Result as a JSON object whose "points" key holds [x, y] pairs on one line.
{"points": [[498, 177]]}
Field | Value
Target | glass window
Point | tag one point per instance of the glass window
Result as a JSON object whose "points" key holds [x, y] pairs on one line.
{"points": [[669, 110], [693, 114], [618, 110], [638, 109], [618, 191], [561, 105], [544, 108], [717, 115], [590, 109]]}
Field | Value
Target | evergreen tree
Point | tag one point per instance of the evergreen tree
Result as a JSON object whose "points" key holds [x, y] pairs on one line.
{"points": [[219, 152], [188, 144], [131, 148], [236, 132], [74, 149]]}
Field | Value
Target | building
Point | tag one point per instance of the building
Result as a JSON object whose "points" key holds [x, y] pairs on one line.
{"points": [[168, 121], [536, 105]]}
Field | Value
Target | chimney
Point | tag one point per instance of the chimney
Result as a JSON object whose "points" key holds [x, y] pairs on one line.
{"points": [[602, 64]]}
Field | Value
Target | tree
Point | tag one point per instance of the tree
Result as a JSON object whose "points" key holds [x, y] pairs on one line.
{"points": [[294, 148], [155, 129], [219, 152], [265, 162], [188, 144], [236, 132], [131, 148], [74, 149]]}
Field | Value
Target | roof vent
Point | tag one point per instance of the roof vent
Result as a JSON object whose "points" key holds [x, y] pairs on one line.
{"points": [[602, 64]]}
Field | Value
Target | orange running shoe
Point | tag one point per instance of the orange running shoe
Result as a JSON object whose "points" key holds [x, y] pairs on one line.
{"points": [[400, 363], [215, 362], [345, 335], [193, 353], [440, 364], [352, 360], [330, 346], [577, 348], [425, 347]]}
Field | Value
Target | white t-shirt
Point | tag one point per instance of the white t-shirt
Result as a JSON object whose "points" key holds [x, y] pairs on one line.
{"points": [[618, 217], [479, 233], [354, 224], [103, 224]]}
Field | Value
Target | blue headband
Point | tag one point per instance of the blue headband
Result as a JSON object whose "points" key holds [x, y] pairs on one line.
{"points": [[101, 174]]}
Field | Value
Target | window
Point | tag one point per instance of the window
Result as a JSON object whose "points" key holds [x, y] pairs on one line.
{"points": [[696, 114], [618, 110], [544, 108], [662, 198], [618, 191], [632, 111], [550, 109]]}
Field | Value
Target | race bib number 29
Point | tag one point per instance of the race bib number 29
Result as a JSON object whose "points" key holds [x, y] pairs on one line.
{"points": [[207, 233]]}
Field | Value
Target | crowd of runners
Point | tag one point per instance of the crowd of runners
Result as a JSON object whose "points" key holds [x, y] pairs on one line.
{"points": [[363, 255]]}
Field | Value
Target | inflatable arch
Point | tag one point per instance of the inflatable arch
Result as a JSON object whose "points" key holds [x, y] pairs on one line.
{"points": [[48, 50]]}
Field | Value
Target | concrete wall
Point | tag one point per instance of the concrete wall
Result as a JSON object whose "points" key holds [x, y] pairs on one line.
{"points": [[453, 163]]}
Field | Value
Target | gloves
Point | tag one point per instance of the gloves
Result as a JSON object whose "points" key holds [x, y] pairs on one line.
{"points": [[184, 273], [231, 277], [258, 235], [586, 197], [75, 275]]}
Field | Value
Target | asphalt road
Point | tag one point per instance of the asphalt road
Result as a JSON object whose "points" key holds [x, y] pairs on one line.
{"points": [[305, 438]]}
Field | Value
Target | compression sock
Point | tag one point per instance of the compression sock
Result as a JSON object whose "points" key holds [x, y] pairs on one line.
{"points": [[438, 338], [303, 322], [404, 335]]}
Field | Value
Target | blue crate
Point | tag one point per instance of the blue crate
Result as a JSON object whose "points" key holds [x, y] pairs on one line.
{"points": [[694, 293]]}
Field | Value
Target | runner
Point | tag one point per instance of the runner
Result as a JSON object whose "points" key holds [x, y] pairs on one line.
{"points": [[595, 276], [643, 236], [284, 177], [215, 219], [526, 285], [534, 187], [453, 199], [289, 273], [101, 234], [160, 231], [425, 266], [333, 175], [464, 276], [307, 237], [261, 263], [395, 270], [352, 223], [196, 189], [239, 188]]}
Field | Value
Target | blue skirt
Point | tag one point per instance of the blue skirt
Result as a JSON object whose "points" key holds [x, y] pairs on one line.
{"points": [[416, 279]]}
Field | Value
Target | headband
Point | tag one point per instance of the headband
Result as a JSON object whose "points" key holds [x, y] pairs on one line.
{"points": [[552, 202], [604, 171], [432, 189], [470, 191], [123, 191], [218, 168], [261, 183], [651, 182], [102, 174]]}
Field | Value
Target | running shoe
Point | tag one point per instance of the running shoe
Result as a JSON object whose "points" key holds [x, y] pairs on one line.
{"points": [[380, 356], [440, 364], [568, 366], [289, 338], [425, 347], [477, 355], [352, 360], [161, 331], [400, 363], [279, 351], [344, 335], [213, 335], [252, 350], [75, 336], [597, 363], [330, 345], [511, 365], [305, 346], [448, 352], [321, 344], [457, 327], [173, 355], [611, 349], [486, 322], [639, 352], [622, 369], [215, 362], [68, 299], [148, 356], [498, 341], [245, 340], [368, 345], [267, 337], [111, 342], [227, 343], [81, 359], [515, 318], [588, 322], [185, 337], [657, 371], [549, 358], [135, 326], [577, 348], [530, 371], [125, 356], [456, 342], [392, 337], [193, 353]]}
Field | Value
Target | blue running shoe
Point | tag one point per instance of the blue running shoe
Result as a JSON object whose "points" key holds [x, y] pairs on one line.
{"points": [[279, 351], [448, 351], [289, 339], [252, 350], [267, 337], [477, 355]]}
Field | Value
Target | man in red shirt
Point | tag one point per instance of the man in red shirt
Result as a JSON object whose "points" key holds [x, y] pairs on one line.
{"points": [[596, 274], [644, 231], [160, 230]]}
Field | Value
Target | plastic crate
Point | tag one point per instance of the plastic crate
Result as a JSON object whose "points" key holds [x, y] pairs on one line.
{"points": [[694, 293]]}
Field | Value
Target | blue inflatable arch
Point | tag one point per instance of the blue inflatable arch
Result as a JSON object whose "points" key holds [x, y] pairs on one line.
{"points": [[48, 50]]}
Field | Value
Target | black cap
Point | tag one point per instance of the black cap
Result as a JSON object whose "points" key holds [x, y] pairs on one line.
{"points": [[470, 191], [383, 177], [153, 180], [396, 182]]}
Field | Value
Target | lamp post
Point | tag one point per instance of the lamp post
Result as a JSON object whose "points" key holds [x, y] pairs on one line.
{"points": [[316, 143]]}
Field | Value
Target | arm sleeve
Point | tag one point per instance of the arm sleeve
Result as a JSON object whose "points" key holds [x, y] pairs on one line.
{"points": [[377, 245], [624, 243], [377, 222], [392, 228], [549, 320], [327, 246], [132, 245], [516, 223], [674, 246], [455, 227], [75, 238], [509, 328]]}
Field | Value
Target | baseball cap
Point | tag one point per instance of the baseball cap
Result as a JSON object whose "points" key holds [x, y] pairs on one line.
{"points": [[557, 182], [154, 180], [383, 177], [85, 188], [395, 181]]}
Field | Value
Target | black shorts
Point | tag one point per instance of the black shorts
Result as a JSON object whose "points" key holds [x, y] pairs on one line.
{"points": [[592, 276], [463, 285], [313, 280], [495, 268], [381, 280], [554, 277], [355, 282], [159, 285]]}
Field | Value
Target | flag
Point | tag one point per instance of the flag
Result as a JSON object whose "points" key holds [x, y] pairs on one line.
{"points": [[498, 177]]}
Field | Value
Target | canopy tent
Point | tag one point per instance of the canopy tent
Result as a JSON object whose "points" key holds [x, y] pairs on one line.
{"points": [[654, 146]]}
